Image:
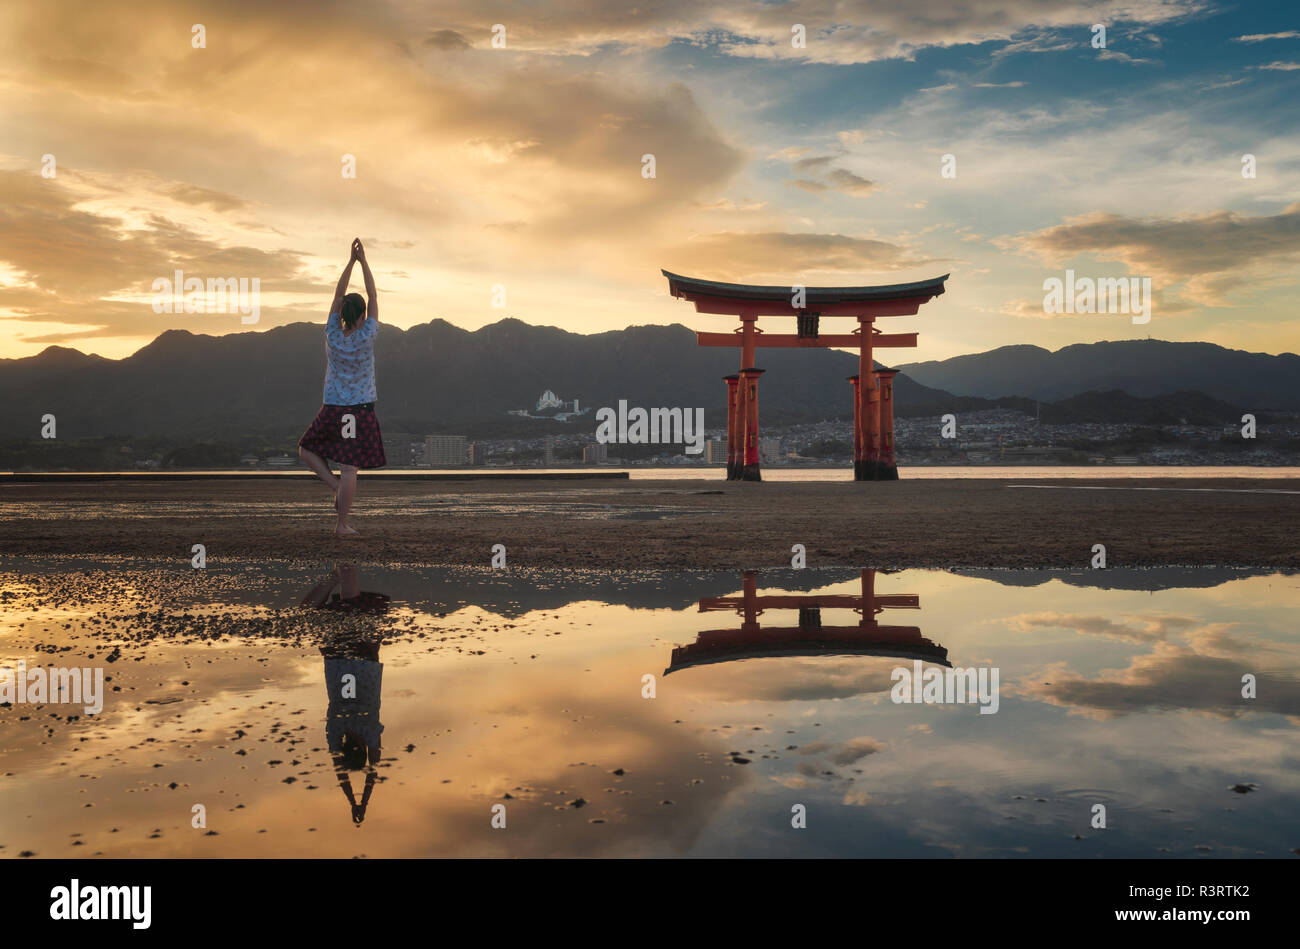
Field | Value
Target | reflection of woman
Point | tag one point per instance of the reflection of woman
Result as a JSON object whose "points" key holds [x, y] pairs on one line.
{"points": [[353, 681]]}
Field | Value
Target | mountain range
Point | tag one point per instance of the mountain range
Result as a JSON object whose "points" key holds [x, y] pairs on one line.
{"points": [[437, 377], [1140, 368]]}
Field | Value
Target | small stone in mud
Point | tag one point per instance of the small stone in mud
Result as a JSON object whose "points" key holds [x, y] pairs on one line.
{"points": [[618, 771], [577, 802], [1244, 788], [410, 748], [739, 760]]}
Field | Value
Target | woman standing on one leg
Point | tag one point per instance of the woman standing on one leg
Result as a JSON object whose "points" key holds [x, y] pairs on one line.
{"points": [[346, 431]]}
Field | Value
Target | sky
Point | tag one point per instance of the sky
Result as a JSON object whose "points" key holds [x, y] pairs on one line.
{"points": [[499, 157]]}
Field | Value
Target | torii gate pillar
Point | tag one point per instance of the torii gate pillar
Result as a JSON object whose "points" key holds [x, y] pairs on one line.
{"points": [[749, 387], [857, 429], [867, 467], [888, 469], [734, 428]]}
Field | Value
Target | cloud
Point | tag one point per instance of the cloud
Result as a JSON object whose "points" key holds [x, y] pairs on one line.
{"points": [[217, 200], [1204, 675], [843, 753], [524, 163], [1210, 253], [72, 260], [858, 136], [549, 154], [1260, 37], [1136, 629], [1117, 56], [846, 182], [447, 40], [828, 178], [743, 254]]}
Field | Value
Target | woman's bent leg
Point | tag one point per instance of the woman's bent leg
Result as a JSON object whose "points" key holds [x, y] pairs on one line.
{"points": [[346, 492], [317, 464]]}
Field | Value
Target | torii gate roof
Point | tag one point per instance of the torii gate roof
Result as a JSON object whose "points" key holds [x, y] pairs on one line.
{"points": [[692, 287]]}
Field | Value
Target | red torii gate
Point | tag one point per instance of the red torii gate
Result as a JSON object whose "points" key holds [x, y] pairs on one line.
{"points": [[873, 390], [810, 638]]}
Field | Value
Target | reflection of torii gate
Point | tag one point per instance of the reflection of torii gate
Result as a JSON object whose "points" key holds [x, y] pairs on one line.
{"points": [[810, 637], [873, 390]]}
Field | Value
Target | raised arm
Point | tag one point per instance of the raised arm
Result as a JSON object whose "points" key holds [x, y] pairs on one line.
{"points": [[372, 295], [344, 280]]}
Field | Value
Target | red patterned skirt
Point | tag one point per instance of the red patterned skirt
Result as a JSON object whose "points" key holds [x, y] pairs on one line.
{"points": [[325, 436]]}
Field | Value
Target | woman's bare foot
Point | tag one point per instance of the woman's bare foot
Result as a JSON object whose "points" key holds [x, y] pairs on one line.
{"points": [[344, 531]]}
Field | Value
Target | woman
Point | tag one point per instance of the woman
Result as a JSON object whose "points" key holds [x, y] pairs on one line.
{"points": [[346, 430]]}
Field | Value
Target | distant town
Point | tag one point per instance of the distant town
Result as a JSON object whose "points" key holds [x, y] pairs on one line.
{"points": [[990, 437], [567, 439]]}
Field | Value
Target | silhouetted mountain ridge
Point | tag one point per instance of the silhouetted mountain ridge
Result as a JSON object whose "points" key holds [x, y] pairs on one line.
{"points": [[1143, 368], [439, 377]]}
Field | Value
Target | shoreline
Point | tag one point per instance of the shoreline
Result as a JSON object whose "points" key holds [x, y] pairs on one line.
{"points": [[696, 524], [771, 473]]}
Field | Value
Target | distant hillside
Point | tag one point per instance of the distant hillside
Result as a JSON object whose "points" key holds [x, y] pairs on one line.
{"points": [[1113, 407], [437, 377], [433, 377], [1255, 381], [1185, 408]]}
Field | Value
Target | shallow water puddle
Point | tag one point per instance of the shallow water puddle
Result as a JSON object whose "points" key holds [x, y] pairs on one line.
{"points": [[402, 711]]}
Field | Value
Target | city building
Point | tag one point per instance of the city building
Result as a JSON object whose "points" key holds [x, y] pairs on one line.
{"points": [[595, 454], [478, 453], [548, 453], [401, 449], [551, 406], [444, 451], [769, 451], [715, 451]]}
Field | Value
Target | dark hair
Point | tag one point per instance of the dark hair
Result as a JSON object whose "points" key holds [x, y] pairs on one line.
{"points": [[353, 752], [353, 308]]}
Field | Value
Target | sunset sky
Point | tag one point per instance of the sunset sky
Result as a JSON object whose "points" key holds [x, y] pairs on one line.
{"points": [[522, 166]]}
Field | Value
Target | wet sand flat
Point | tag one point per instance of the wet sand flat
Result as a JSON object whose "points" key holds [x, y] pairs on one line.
{"points": [[704, 524], [522, 693]]}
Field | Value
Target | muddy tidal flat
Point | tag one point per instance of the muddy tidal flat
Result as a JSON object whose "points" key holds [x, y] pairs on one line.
{"points": [[521, 696], [647, 674], [705, 524]]}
